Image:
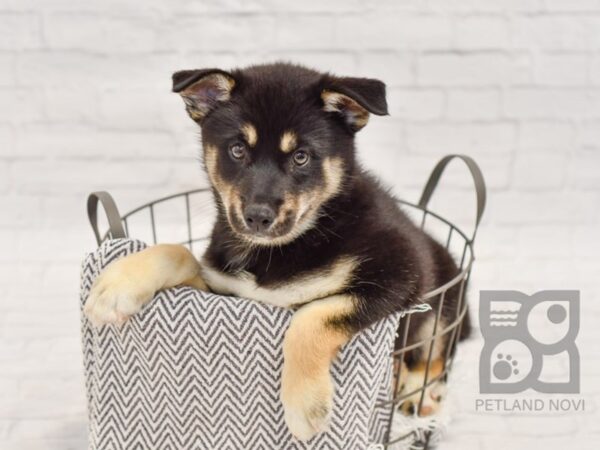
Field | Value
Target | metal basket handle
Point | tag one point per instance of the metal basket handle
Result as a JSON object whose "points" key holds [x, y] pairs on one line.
{"points": [[115, 227], [478, 180]]}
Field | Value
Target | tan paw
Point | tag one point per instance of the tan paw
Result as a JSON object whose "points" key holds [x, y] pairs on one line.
{"points": [[118, 292], [307, 404]]}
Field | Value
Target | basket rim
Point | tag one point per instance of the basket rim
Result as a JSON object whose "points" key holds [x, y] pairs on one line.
{"points": [[427, 296]]}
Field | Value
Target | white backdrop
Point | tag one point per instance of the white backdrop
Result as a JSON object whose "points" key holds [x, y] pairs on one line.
{"points": [[85, 104]]}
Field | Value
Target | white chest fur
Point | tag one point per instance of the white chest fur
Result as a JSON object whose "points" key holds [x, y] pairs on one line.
{"points": [[315, 285]]}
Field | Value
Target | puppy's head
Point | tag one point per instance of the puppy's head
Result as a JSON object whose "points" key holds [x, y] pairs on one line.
{"points": [[278, 141]]}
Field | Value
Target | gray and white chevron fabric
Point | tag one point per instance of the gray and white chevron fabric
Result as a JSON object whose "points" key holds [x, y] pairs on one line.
{"points": [[199, 371]]}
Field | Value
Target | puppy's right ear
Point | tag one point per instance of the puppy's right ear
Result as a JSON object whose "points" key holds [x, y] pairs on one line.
{"points": [[202, 90]]}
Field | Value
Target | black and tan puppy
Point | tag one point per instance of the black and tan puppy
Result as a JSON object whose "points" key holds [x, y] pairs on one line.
{"points": [[299, 224]]}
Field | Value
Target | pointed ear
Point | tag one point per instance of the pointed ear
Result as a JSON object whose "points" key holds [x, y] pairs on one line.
{"points": [[354, 99], [202, 90]]}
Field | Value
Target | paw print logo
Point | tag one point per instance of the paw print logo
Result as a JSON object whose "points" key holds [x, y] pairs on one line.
{"points": [[521, 333], [505, 367]]}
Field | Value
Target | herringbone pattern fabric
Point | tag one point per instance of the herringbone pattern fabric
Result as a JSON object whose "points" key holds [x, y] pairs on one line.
{"points": [[199, 371]]}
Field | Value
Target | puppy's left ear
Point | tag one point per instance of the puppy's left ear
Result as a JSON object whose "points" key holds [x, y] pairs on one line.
{"points": [[354, 99], [203, 90]]}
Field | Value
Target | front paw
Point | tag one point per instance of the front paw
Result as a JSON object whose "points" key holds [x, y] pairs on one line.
{"points": [[117, 293], [307, 404]]}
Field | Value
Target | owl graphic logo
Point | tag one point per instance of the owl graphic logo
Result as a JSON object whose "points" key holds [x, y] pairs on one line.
{"points": [[525, 336]]}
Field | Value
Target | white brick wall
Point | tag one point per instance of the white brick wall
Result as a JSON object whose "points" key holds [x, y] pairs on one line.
{"points": [[86, 105]]}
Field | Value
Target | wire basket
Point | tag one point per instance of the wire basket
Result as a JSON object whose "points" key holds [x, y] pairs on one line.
{"points": [[186, 218]]}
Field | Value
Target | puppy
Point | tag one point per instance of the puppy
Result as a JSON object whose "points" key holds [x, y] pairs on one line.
{"points": [[299, 224]]}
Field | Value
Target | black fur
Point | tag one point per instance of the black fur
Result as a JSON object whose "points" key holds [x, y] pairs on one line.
{"points": [[398, 262]]}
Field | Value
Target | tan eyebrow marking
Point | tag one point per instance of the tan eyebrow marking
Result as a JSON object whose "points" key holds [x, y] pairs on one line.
{"points": [[288, 141], [250, 134]]}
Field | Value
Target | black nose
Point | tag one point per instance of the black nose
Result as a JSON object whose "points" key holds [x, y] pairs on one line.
{"points": [[259, 217]]}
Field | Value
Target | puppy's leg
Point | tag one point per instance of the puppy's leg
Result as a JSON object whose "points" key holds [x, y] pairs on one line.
{"points": [[311, 343], [415, 366], [414, 380], [126, 285]]}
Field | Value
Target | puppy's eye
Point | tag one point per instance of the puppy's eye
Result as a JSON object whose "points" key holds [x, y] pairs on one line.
{"points": [[237, 150], [301, 158]]}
